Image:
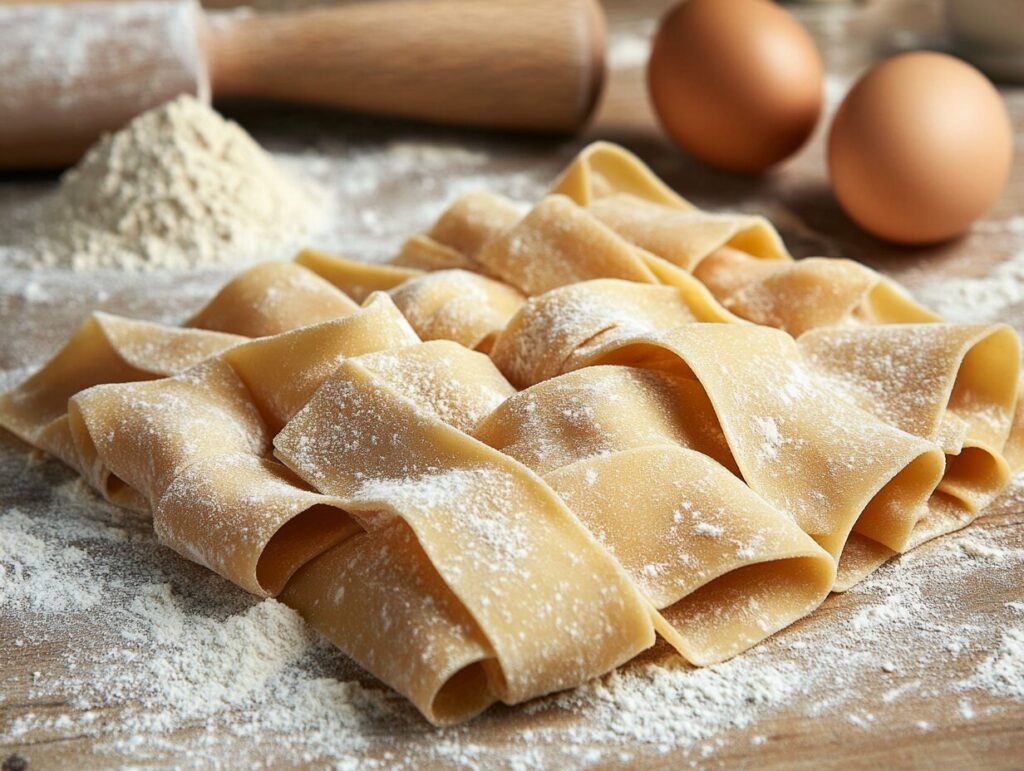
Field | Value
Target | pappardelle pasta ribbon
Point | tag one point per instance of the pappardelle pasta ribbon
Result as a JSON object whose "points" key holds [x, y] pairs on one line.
{"points": [[710, 436]]}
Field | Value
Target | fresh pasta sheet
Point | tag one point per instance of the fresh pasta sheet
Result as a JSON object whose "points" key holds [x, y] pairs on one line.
{"points": [[542, 436]]}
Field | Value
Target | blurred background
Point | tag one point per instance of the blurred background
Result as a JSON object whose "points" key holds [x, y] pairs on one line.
{"points": [[389, 177]]}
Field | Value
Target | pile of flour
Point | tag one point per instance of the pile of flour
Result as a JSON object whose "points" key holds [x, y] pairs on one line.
{"points": [[178, 187]]}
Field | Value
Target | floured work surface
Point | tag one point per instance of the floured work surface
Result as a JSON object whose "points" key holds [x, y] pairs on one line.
{"points": [[646, 712]]}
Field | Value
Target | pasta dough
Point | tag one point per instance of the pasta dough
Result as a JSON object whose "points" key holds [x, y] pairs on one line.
{"points": [[273, 298], [105, 349], [501, 540], [635, 455], [457, 305], [710, 436], [459, 234]]}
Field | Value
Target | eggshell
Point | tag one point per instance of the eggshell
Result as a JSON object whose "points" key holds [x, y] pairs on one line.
{"points": [[737, 83], [920, 148]]}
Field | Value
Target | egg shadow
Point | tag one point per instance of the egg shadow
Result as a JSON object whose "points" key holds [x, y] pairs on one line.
{"points": [[817, 209]]}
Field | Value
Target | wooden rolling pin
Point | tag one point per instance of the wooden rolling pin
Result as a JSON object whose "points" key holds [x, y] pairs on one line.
{"points": [[69, 72]]}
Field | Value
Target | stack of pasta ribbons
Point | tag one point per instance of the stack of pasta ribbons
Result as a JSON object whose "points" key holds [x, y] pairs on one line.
{"points": [[503, 463]]}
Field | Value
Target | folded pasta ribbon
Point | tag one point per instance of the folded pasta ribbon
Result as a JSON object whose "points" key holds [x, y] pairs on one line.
{"points": [[739, 258], [272, 298], [637, 455], [830, 465], [105, 349], [195, 448], [552, 608], [448, 304], [459, 234], [544, 335], [560, 243], [954, 384]]}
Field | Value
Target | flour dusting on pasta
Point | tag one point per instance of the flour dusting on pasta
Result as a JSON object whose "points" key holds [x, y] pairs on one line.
{"points": [[439, 460]]}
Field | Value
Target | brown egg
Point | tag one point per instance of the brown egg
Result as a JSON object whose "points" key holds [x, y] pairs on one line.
{"points": [[737, 83], [920, 148]]}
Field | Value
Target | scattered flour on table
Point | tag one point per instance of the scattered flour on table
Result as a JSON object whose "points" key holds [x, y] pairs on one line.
{"points": [[38, 576], [1002, 673], [984, 298], [668, 705], [418, 178], [151, 646], [156, 658], [178, 187]]}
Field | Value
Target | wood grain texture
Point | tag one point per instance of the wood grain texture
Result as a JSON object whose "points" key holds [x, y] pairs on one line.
{"points": [[796, 197], [527, 64]]}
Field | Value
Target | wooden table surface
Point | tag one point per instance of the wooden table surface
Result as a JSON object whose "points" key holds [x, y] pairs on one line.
{"points": [[797, 199]]}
